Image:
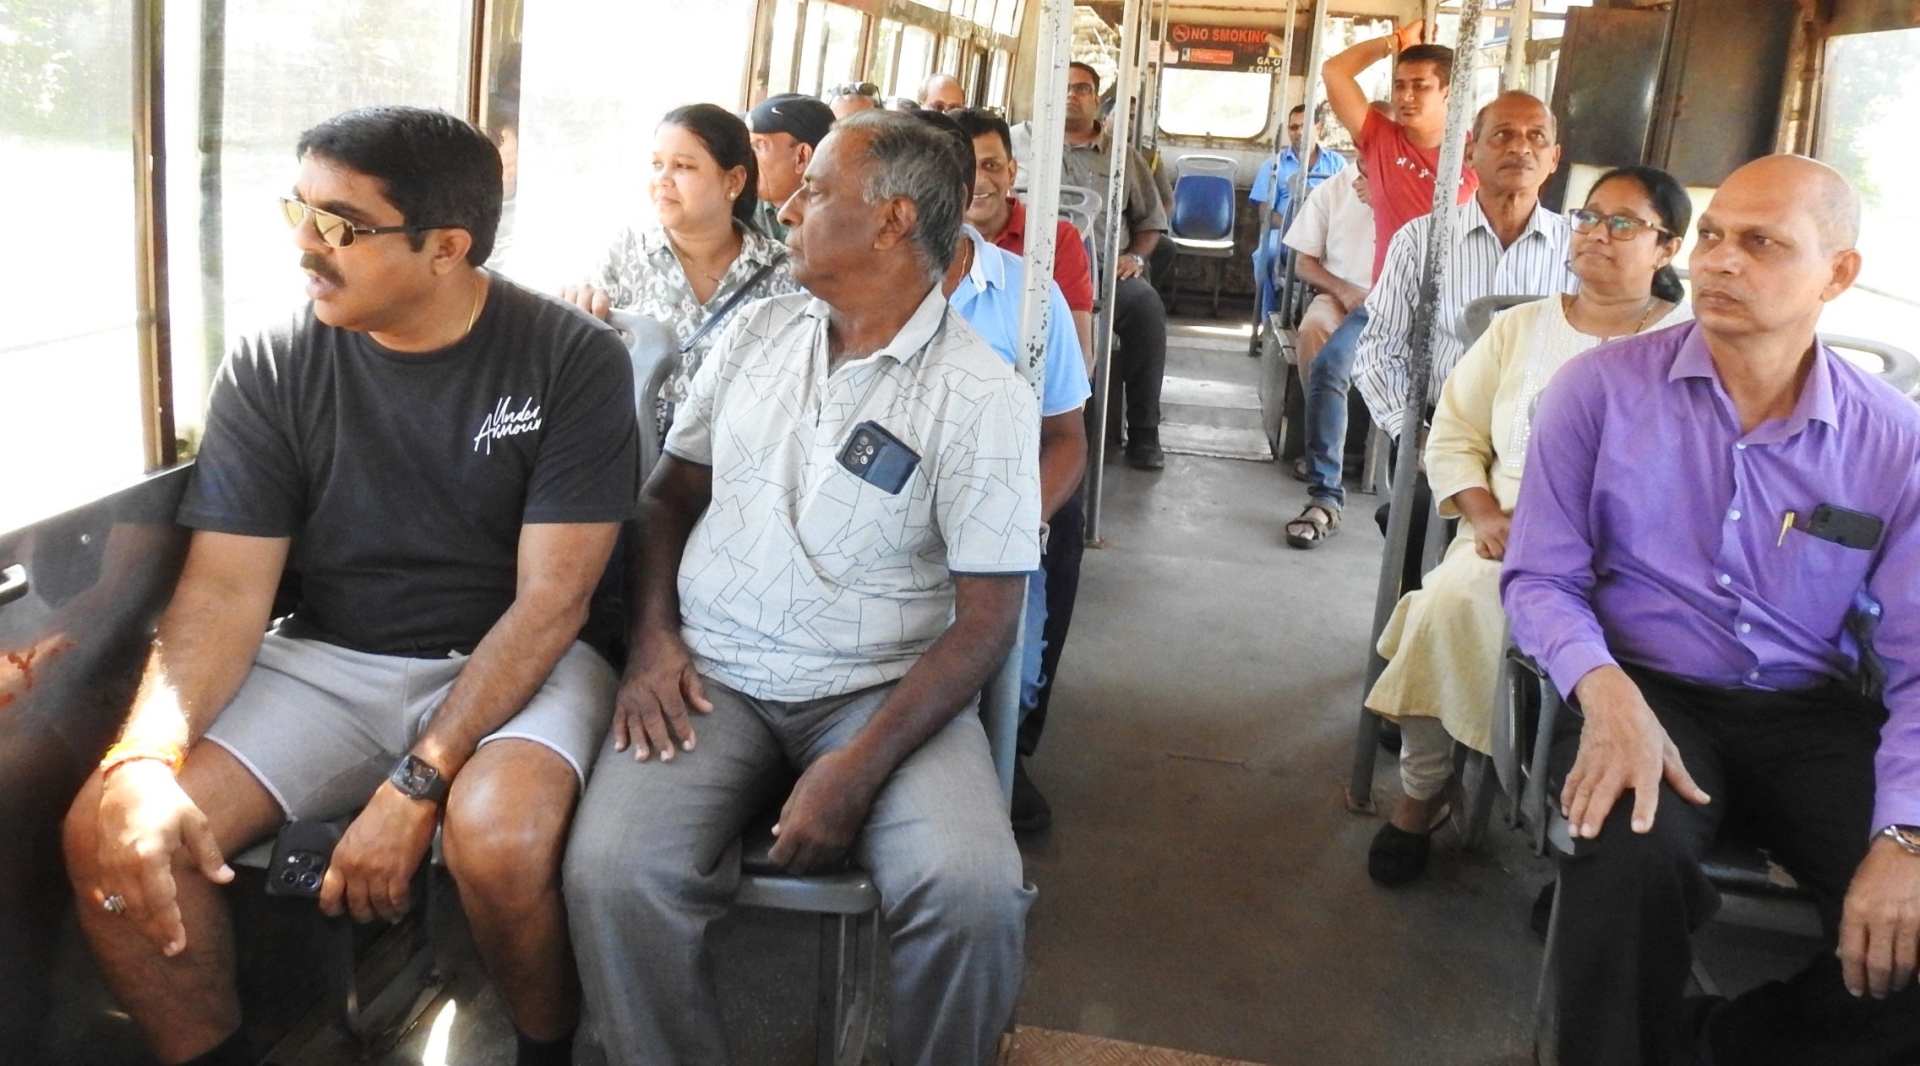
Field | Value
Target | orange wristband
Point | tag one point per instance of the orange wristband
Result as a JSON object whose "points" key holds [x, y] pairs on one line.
{"points": [[124, 752]]}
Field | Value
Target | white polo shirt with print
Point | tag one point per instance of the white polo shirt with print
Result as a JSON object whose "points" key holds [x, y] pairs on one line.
{"points": [[802, 580]]}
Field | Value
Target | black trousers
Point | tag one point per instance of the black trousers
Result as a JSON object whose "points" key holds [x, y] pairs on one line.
{"points": [[1140, 352], [1791, 772], [1066, 544]]}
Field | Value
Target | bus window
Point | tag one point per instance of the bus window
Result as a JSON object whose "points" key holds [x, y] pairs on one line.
{"points": [[1866, 132], [916, 60], [881, 69], [785, 38], [595, 81], [1007, 16], [1215, 103], [243, 87], [68, 349]]}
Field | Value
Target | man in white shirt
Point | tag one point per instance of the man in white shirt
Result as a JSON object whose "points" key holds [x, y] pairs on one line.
{"points": [[1504, 243], [1334, 236], [831, 566]]}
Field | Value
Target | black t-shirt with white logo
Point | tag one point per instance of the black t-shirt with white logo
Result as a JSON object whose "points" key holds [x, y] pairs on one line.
{"points": [[403, 479]]}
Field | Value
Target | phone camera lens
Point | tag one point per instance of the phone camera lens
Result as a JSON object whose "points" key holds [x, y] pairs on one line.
{"points": [[309, 882]]}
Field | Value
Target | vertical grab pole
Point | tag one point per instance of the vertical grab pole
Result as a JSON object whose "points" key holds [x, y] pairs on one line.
{"points": [[1426, 323], [1519, 32], [1119, 136], [1310, 99], [1279, 119], [1054, 49]]}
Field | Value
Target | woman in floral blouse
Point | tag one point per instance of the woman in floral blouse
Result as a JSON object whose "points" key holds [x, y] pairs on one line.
{"points": [[702, 245]]}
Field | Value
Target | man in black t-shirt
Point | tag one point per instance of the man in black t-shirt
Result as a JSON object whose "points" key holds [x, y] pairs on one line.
{"points": [[441, 459]]}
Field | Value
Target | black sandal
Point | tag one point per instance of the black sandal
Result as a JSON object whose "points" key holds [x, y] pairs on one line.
{"points": [[1315, 524]]}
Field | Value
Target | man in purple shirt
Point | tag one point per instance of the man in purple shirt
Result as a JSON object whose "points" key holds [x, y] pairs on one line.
{"points": [[1709, 513]]}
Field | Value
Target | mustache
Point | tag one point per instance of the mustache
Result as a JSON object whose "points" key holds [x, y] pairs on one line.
{"points": [[310, 261]]}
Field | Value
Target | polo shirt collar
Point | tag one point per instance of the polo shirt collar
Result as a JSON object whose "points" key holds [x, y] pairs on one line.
{"points": [[1816, 403], [989, 270], [918, 331]]}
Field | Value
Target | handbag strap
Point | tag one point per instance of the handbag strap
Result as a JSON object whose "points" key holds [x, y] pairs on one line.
{"points": [[739, 297]]}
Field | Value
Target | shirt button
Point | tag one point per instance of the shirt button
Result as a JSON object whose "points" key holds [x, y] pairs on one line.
{"points": [[1741, 447], [1733, 515], [1746, 627], [1726, 579], [1753, 675]]}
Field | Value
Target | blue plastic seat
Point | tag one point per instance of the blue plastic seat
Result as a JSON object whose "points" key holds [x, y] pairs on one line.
{"points": [[1202, 225]]}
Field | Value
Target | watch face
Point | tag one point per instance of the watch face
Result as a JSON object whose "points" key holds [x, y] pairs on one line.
{"points": [[414, 777]]}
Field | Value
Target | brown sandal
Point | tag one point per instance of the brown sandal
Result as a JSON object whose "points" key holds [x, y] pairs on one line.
{"points": [[1315, 524]]}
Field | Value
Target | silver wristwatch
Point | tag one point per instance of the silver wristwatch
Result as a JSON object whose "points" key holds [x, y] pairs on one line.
{"points": [[1907, 836]]}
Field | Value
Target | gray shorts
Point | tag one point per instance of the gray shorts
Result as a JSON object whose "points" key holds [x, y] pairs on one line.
{"points": [[321, 726]]}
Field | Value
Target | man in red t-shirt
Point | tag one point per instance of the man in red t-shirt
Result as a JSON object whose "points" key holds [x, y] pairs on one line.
{"points": [[1402, 152], [1002, 219]]}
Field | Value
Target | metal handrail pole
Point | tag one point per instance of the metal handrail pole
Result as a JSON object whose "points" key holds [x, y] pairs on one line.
{"points": [[1118, 131], [1426, 324], [1310, 99], [1055, 48], [1515, 73], [1279, 145]]}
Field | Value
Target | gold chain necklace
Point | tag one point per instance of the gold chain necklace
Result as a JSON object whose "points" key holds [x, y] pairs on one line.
{"points": [[479, 294]]}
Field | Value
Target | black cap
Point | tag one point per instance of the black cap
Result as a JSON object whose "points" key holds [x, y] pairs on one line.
{"points": [[802, 117]]}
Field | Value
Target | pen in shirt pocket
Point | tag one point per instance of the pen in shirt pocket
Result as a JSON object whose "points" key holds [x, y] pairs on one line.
{"points": [[1786, 523]]}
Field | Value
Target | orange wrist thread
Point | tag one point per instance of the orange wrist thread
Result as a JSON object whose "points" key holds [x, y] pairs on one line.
{"points": [[123, 753]]}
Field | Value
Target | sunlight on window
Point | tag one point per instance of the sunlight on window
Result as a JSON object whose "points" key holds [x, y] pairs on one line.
{"points": [[1214, 103]]}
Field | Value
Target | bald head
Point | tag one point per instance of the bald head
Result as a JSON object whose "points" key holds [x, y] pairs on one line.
{"points": [[942, 92], [1515, 105], [1822, 192]]}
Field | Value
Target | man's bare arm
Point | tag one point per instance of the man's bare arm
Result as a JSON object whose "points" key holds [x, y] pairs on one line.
{"points": [[660, 684], [205, 644], [558, 567], [1083, 325], [1342, 74], [829, 803], [1063, 459], [1315, 273]]}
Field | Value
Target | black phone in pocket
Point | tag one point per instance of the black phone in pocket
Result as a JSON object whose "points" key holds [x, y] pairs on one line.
{"points": [[878, 458], [300, 856], [1849, 529]]}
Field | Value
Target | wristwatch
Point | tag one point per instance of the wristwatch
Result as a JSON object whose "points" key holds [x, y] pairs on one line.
{"points": [[417, 779], [1907, 836]]}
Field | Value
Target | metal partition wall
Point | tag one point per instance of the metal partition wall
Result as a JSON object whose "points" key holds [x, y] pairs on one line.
{"points": [[1120, 134], [1446, 187]]}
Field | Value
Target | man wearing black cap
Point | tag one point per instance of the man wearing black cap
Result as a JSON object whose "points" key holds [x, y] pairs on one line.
{"points": [[784, 130]]}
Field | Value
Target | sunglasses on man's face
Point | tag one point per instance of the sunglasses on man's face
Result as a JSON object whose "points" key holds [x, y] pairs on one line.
{"points": [[855, 88], [336, 231], [1619, 227]]}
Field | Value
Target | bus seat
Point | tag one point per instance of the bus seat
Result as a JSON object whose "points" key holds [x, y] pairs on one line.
{"points": [[1478, 315], [1756, 891], [847, 901], [374, 1018], [1202, 226], [655, 353], [1898, 367]]}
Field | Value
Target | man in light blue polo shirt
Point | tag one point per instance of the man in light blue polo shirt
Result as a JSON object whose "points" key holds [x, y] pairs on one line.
{"points": [[1273, 186], [985, 285]]}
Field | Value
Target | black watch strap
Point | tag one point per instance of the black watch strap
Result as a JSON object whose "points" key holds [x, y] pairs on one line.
{"points": [[415, 778]]}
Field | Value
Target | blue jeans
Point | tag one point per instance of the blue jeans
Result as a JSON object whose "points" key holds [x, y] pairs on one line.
{"points": [[1328, 382], [1263, 262], [1031, 674]]}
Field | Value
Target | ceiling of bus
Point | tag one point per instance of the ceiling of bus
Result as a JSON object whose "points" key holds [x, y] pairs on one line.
{"points": [[1226, 12]]}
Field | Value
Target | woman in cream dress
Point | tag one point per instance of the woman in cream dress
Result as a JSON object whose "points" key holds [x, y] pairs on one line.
{"points": [[1443, 643]]}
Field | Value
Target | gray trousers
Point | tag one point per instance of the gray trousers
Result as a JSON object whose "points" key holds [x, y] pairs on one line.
{"points": [[654, 859]]}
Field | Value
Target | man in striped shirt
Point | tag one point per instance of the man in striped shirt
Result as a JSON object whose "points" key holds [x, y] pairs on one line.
{"points": [[1503, 243]]}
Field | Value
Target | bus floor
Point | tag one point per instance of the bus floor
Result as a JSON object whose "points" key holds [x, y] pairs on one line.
{"points": [[1203, 887]]}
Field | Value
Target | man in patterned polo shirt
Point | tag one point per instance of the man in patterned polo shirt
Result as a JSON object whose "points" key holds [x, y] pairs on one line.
{"points": [[829, 570]]}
